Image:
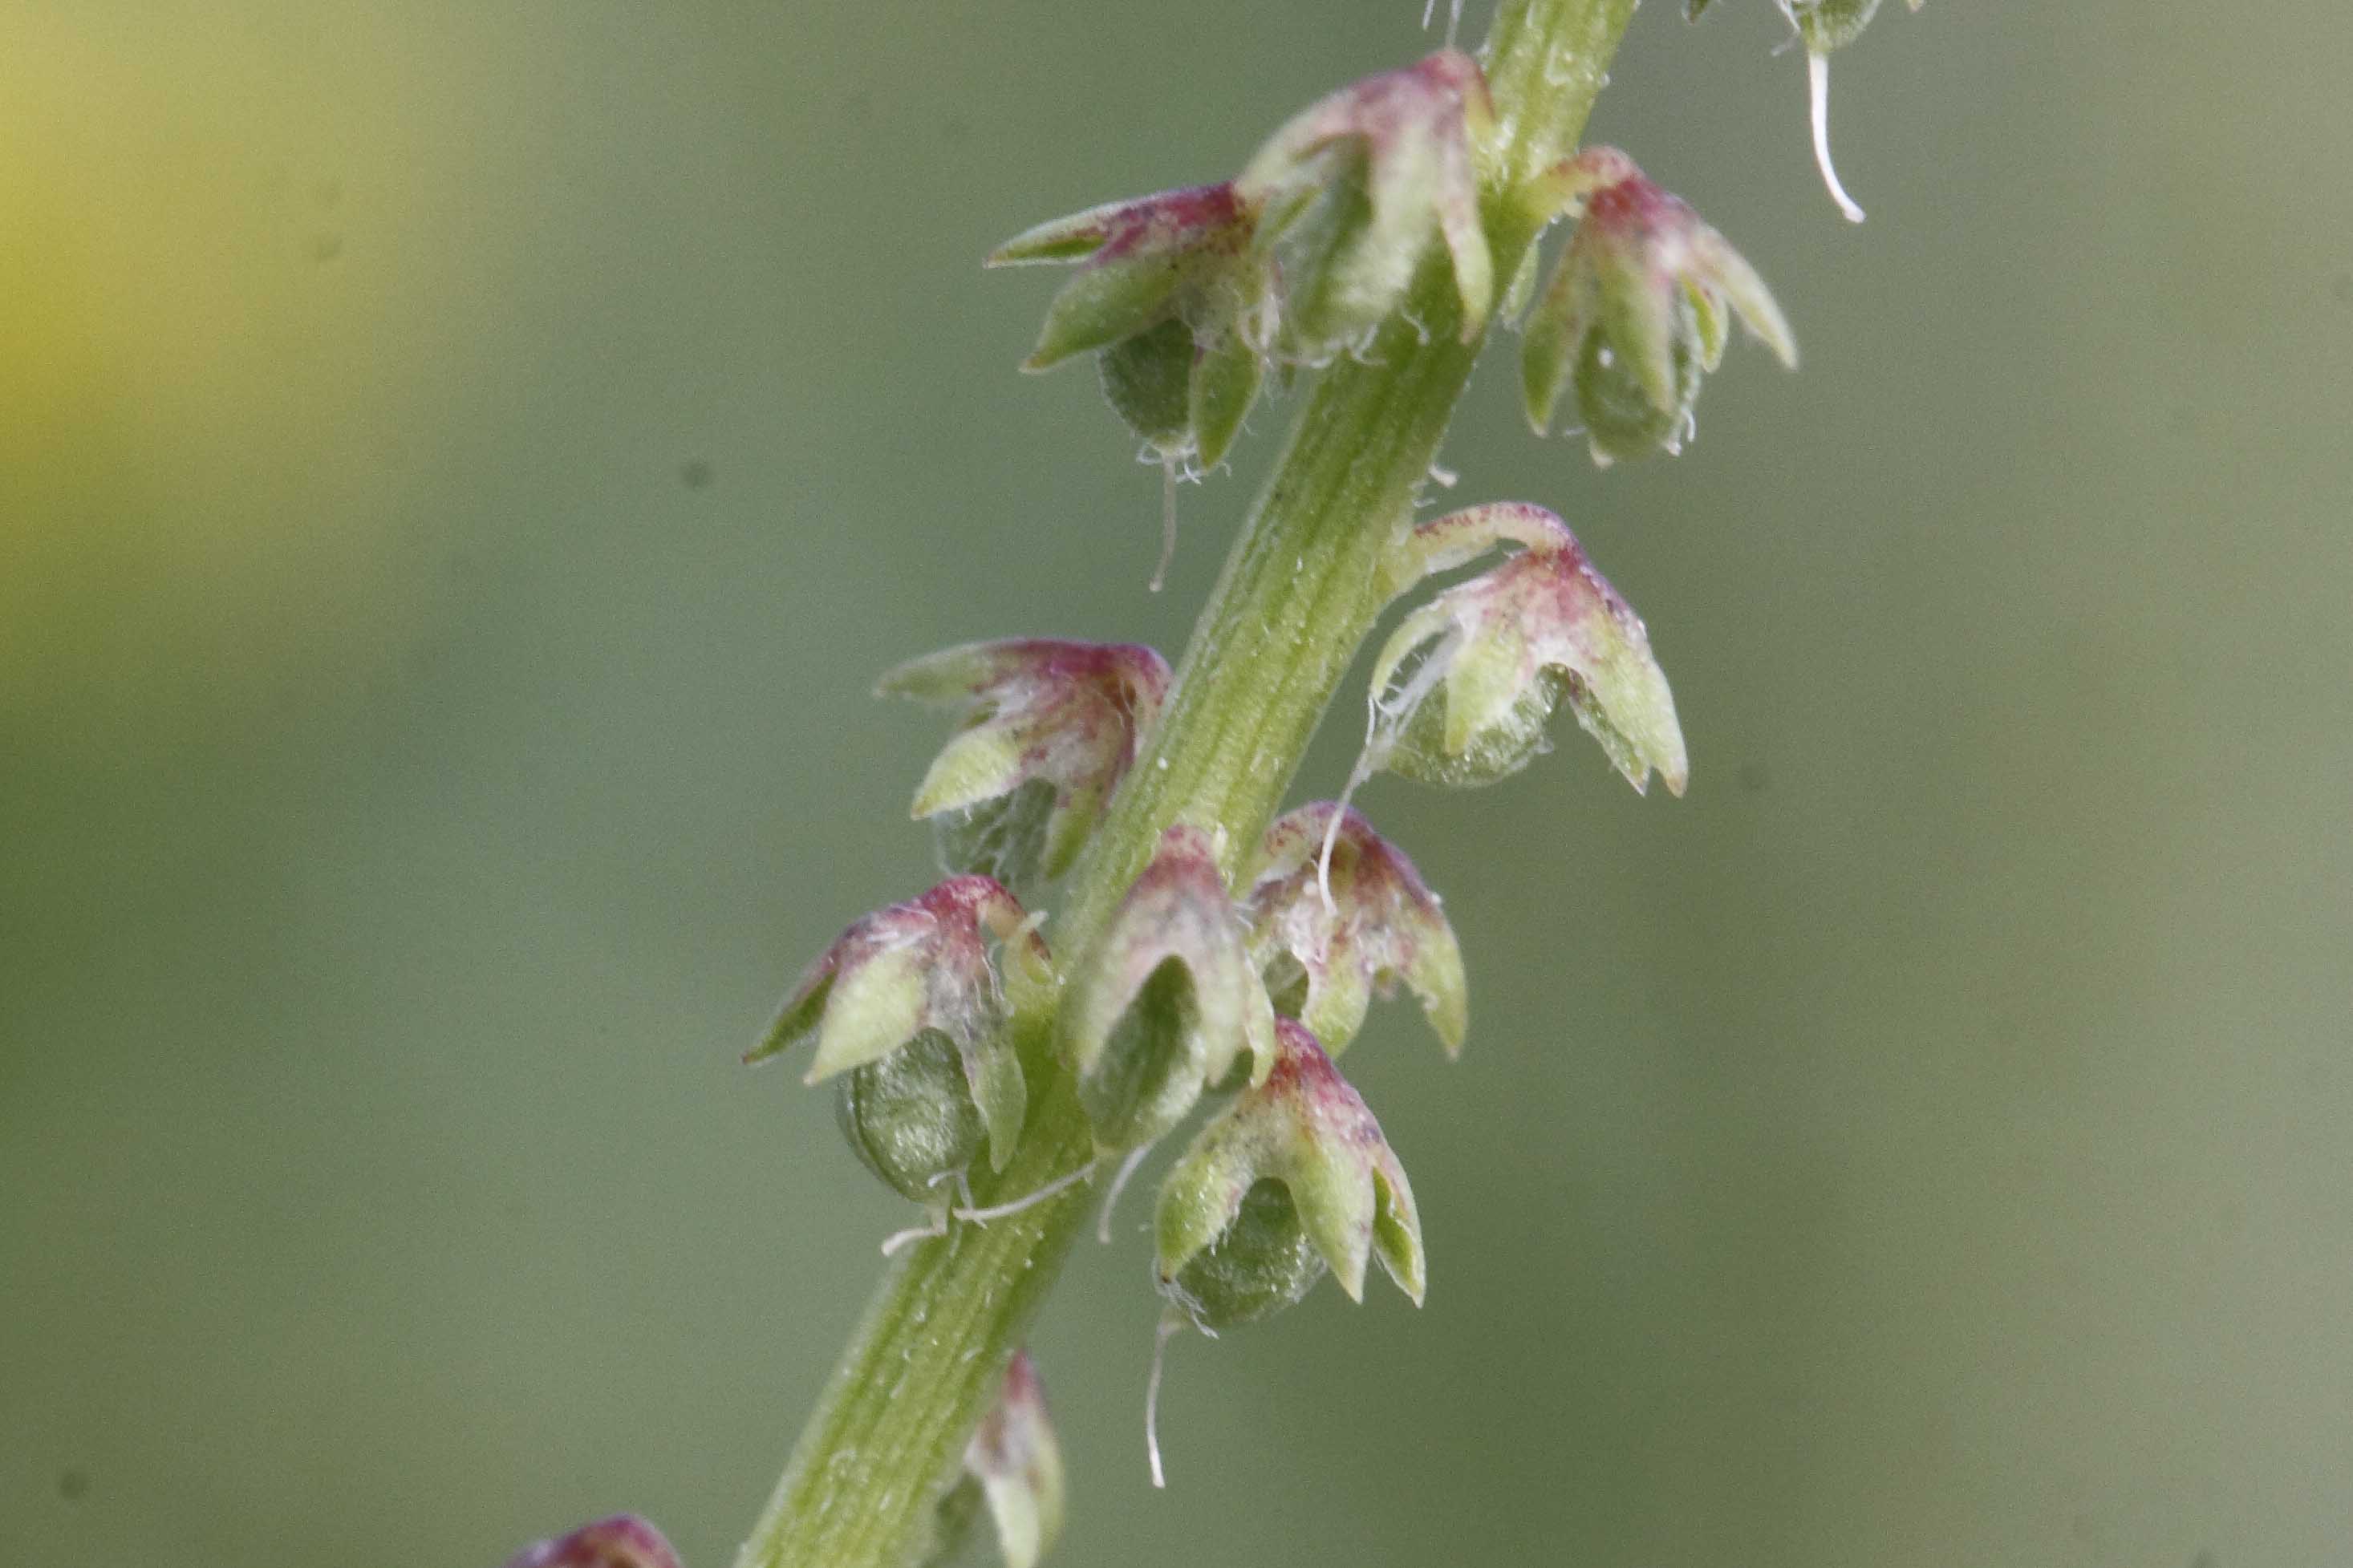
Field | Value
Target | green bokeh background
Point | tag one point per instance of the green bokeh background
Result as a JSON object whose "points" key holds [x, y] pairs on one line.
{"points": [[461, 466]]}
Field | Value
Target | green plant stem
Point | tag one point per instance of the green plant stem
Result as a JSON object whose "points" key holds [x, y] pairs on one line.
{"points": [[1299, 593]]}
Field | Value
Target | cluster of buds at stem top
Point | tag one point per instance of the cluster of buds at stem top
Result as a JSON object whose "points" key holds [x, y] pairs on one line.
{"points": [[1013, 1469], [1047, 729], [1822, 27], [1637, 309], [909, 1010], [625, 1540], [1190, 295], [1463, 690], [1329, 930], [1168, 1006]]}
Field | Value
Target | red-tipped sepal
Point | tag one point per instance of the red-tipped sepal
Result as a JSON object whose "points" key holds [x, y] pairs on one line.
{"points": [[1330, 934], [1292, 1178], [1637, 309], [1167, 1005], [1048, 728]]}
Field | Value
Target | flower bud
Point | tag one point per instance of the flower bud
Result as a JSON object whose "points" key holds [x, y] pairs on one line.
{"points": [[1017, 1462], [1173, 292], [908, 1003], [625, 1540], [1360, 185], [1167, 1005], [1463, 688], [1047, 729], [1293, 1177], [1329, 932], [1635, 313]]}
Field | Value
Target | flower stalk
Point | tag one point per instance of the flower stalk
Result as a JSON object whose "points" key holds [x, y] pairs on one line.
{"points": [[1300, 591]]}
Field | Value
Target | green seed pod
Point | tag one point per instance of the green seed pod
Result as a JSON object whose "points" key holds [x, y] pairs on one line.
{"points": [[910, 1118], [1490, 754], [1148, 378], [1620, 419], [1263, 1262]]}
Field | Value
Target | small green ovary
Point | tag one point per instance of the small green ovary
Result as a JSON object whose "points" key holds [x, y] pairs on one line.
{"points": [[1148, 378], [1261, 1264], [910, 1118], [1492, 755], [1620, 419]]}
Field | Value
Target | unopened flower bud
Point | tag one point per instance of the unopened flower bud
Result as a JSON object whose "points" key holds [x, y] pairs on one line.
{"points": [[1463, 690], [1358, 185], [1017, 1461], [1047, 729], [624, 1540], [1637, 310], [1167, 1004], [1292, 1178], [1331, 931], [909, 1004]]}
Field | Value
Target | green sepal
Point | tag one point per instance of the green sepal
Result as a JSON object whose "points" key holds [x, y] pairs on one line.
{"points": [[1308, 1131], [1225, 383]]}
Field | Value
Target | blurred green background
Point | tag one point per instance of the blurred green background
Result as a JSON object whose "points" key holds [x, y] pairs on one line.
{"points": [[461, 466]]}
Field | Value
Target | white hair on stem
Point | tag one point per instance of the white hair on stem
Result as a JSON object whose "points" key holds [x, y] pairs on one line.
{"points": [[1118, 1186], [937, 1225], [1378, 744], [1167, 523], [1170, 1323], [1818, 85], [1054, 1188]]}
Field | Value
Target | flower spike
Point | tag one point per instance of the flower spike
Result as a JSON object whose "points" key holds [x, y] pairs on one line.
{"points": [[1167, 1005], [1341, 928], [1637, 309], [624, 1540], [908, 1004], [1295, 1167], [1463, 689], [1390, 162], [1049, 728]]}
